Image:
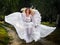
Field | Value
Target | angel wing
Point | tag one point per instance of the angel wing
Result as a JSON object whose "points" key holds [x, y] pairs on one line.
{"points": [[36, 18], [13, 18], [42, 29]]}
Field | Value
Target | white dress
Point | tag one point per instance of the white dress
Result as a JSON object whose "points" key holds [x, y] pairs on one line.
{"points": [[29, 28]]}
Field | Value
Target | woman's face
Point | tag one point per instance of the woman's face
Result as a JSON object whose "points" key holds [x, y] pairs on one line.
{"points": [[27, 11]]}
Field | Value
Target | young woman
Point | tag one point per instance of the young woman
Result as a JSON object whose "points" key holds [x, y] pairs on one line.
{"points": [[28, 25]]}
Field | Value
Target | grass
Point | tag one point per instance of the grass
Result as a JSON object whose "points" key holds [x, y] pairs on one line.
{"points": [[49, 24], [7, 25], [55, 36], [4, 39]]}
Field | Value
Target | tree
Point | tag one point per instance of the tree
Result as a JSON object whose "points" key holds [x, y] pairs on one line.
{"points": [[57, 4], [46, 8]]}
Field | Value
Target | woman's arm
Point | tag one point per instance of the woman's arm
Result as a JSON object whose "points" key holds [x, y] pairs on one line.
{"points": [[36, 19]]}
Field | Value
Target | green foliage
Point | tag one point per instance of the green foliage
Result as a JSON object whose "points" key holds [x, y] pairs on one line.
{"points": [[4, 39], [47, 9], [49, 24], [9, 6]]}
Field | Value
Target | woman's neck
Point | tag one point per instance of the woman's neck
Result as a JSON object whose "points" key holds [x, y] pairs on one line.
{"points": [[27, 14]]}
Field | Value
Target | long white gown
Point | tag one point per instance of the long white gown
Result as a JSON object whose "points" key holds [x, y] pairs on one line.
{"points": [[29, 28]]}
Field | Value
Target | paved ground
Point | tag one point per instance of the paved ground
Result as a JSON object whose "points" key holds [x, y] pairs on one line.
{"points": [[15, 40]]}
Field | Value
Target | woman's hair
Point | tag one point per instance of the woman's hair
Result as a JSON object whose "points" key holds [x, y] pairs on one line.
{"points": [[29, 10]]}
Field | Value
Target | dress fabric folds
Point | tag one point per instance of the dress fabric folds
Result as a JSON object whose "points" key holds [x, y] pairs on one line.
{"points": [[27, 29]]}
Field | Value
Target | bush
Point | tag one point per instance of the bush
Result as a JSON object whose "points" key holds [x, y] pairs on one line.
{"points": [[49, 24], [4, 39]]}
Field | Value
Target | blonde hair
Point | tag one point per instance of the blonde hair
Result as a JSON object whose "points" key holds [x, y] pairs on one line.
{"points": [[32, 10]]}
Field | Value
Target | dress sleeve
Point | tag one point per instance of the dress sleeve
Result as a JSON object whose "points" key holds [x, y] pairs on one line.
{"points": [[12, 18], [36, 18]]}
